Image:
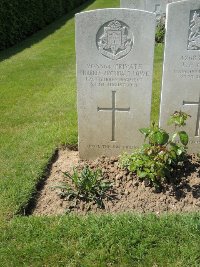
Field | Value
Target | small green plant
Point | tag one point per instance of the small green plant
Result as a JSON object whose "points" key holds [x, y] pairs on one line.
{"points": [[157, 158], [160, 32], [87, 186]]}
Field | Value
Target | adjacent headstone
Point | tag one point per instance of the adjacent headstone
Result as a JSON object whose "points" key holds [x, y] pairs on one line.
{"points": [[114, 52], [181, 71], [134, 4], [156, 6]]}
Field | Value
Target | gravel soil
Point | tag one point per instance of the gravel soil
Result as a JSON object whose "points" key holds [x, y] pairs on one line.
{"points": [[128, 193]]}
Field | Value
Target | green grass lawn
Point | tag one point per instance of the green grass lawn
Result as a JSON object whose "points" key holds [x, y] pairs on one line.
{"points": [[38, 114], [118, 241]]}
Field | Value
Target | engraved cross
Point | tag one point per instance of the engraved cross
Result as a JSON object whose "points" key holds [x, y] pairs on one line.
{"points": [[185, 103], [157, 9], [113, 109]]}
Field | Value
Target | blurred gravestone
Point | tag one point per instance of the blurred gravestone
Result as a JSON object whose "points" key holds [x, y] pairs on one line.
{"points": [[135, 4], [156, 6]]}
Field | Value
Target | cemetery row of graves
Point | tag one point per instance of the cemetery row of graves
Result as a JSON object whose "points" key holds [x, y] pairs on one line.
{"points": [[114, 79], [115, 54]]}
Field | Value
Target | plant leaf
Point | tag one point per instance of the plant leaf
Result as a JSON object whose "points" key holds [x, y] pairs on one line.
{"points": [[67, 174], [160, 138], [174, 136], [145, 131], [141, 174], [179, 151], [183, 137]]}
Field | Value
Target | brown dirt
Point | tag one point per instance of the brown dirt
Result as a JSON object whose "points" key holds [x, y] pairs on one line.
{"points": [[128, 193]]}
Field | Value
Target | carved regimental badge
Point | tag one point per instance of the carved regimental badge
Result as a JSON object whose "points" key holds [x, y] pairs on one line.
{"points": [[194, 30], [114, 39]]}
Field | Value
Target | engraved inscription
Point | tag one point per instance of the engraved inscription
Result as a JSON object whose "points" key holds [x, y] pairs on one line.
{"points": [[117, 75], [187, 103], [188, 67], [113, 109], [113, 146], [114, 39], [194, 30]]}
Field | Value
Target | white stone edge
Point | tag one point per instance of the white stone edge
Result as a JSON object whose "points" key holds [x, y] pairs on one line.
{"points": [[128, 9]]}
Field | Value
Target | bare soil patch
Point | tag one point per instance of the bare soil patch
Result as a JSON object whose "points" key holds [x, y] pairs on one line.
{"points": [[128, 193]]}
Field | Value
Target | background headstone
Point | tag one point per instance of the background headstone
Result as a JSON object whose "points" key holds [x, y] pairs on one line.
{"points": [[181, 71], [156, 6], [135, 4], [114, 52]]}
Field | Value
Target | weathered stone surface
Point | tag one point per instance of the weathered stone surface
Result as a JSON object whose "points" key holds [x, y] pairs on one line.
{"points": [[181, 71], [114, 52]]}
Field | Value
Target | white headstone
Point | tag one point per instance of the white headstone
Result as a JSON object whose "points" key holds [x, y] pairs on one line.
{"points": [[135, 4], [156, 6], [181, 71], [114, 52]]}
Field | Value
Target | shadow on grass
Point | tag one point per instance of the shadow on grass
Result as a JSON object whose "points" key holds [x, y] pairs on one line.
{"points": [[28, 209], [31, 204], [41, 34]]}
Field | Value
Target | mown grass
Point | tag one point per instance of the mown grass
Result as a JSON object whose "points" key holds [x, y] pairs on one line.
{"points": [[120, 241], [38, 108], [38, 114]]}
